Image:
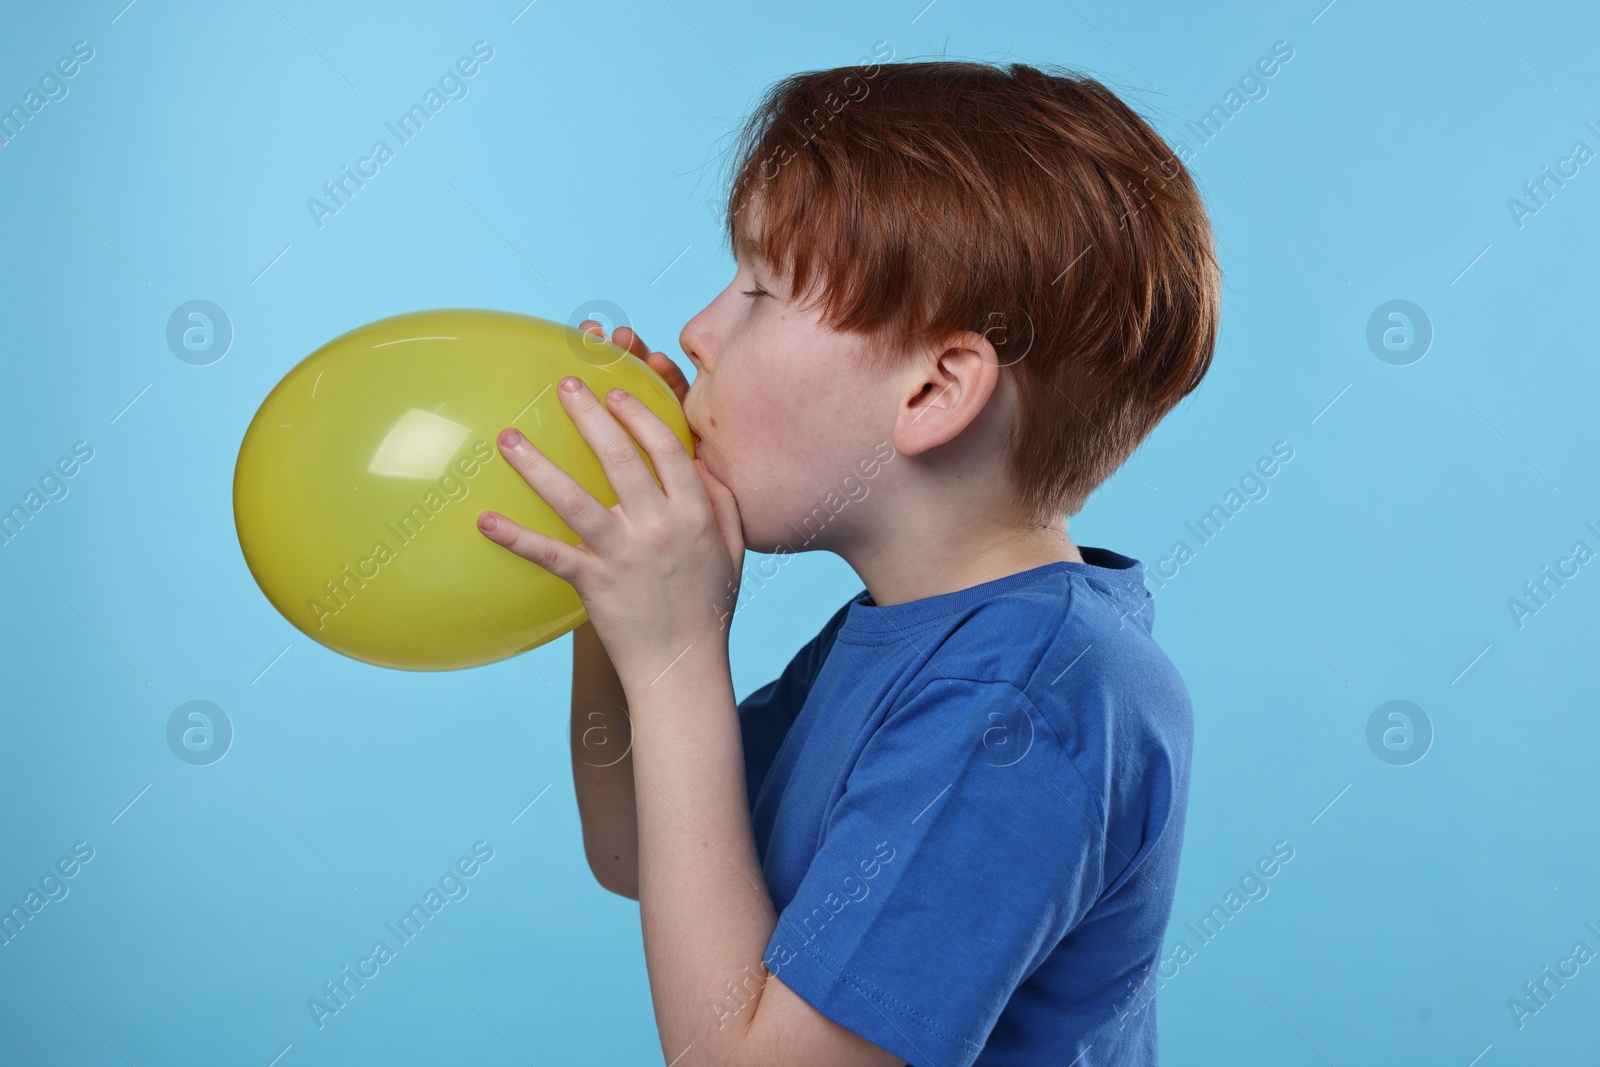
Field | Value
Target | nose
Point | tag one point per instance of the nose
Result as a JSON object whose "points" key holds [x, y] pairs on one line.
{"points": [[695, 339]]}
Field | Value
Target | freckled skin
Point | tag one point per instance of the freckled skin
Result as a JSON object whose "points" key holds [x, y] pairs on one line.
{"points": [[790, 419], [783, 406]]}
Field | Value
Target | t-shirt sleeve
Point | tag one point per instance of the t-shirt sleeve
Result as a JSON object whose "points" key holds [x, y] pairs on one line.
{"points": [[766, 714], [965, 846]]}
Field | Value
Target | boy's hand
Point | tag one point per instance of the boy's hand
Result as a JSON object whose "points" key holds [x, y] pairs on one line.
{"points": [[624, 338], [658, 572]]}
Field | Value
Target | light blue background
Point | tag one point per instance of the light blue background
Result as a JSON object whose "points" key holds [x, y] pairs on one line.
{"points": [[583, 162]]}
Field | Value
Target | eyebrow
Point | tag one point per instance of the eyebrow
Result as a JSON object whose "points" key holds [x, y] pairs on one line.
{"points": [[745, 248]]}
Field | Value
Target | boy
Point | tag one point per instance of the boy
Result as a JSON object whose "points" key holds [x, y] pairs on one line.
{"points": [[948, 833]]}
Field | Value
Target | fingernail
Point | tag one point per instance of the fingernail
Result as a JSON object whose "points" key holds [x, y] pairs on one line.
{"points": [[616, 394], [486, 521], [511, 438], [571, 384]]}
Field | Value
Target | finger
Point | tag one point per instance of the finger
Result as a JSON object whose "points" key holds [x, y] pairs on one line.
{"points": [[628, 339], [593, 328], [672, 462], [572, 503], [624, 337], [620, 459], [554, 555], [670, 372], [726, 509]]}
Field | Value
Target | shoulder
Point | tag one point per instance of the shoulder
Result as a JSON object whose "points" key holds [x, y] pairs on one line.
{"points": [[1095, 686], [1066, 632]]}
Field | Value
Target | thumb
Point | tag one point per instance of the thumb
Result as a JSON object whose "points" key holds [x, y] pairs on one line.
{"points": [[726, 510]]}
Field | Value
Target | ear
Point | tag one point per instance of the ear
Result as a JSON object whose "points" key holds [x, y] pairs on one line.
{"points": [[946, 392]]}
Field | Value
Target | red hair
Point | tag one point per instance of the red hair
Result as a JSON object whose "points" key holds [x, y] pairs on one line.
{"points": [[1034, 208]]}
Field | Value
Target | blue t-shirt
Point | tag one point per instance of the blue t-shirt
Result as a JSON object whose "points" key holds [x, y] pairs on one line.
{"points": [[969, 811]]}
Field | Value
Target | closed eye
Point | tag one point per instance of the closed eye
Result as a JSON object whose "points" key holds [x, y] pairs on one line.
{"points": [[755, 292]]}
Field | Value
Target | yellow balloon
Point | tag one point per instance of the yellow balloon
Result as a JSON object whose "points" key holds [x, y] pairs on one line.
{"points": [[360, 479]]}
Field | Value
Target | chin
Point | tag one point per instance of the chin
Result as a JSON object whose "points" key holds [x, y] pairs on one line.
{"points": [[779, 548], [765, 534]]}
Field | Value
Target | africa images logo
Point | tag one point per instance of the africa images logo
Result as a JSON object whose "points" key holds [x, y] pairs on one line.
{"points": [[452, 85], [453, 885]]}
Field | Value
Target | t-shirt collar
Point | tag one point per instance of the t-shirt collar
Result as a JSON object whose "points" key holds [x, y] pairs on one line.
{"points": [[1100, 566]]}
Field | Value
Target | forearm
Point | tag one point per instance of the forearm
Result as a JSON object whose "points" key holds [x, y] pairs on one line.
{"points": [[704, 908], [602, 765]]}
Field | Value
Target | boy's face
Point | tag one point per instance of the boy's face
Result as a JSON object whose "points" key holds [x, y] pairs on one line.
{"points": [[785, 410]]}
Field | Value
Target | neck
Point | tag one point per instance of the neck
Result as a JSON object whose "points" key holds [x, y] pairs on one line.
{"points": [[906, 570]]}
